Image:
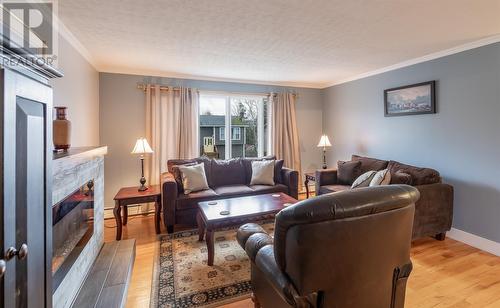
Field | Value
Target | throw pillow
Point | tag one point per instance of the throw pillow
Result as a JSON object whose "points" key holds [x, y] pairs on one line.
{"points": [[348, 171], [262, 172], [401, 178], [364, 180], [178, 176], [382, 177], [193, 178]]}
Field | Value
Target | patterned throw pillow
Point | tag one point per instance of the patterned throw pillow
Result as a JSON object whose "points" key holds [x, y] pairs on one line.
{"points": [[382, 177], [364, 180]]}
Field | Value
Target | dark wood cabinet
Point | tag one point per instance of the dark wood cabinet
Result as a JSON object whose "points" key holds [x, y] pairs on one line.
{"points": [[26, 196]]}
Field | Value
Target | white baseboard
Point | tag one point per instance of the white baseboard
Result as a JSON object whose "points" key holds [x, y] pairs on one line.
{"points": [[475, 241]]}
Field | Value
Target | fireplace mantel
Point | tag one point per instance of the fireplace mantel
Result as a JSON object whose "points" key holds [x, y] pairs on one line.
{"points": [[70, 171], [81, 151]]}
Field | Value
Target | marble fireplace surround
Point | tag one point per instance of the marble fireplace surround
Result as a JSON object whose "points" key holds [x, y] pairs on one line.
{"points": [[69, 172]]}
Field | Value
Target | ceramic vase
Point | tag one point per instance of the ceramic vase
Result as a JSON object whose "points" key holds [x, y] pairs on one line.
{"points": [[61, 130]]}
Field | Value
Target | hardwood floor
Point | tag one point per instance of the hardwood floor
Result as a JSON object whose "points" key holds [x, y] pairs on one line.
{"points": [[445, 274]]}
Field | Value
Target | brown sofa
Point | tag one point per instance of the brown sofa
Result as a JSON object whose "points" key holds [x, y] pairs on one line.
{"points": [[349, 249], [226, 179], [434, 210]]}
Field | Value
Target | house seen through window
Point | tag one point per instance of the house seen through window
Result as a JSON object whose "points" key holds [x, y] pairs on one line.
{"points": [[246, 117]]}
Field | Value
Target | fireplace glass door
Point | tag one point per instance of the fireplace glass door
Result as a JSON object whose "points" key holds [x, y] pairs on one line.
{"points": [[72, 228]]}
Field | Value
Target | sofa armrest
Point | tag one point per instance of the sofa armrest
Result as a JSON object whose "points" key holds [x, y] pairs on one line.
{"points": [[325, 177], [434, 210], [290, 178], [168, 198]]}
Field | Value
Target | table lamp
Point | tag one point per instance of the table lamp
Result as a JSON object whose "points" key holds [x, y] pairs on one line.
{"points": [[142, 147], [323, 143]]}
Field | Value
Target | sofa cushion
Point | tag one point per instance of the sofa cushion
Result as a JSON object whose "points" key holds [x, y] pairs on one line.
{"points": [[400, 177], [368, 163], [233, 190], [227, 172], [172, 167], [178, 176], [420, 176], [171, 163], [278, 165], [266, 189], [332, 188], [348, 171], [191, 200]]}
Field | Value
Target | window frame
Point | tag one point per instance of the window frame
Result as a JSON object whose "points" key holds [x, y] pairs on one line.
{"points": [[228, 138], [222, 133]]}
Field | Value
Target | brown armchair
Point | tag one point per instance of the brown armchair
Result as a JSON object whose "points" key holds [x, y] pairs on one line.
{"points": [[347, 249]]}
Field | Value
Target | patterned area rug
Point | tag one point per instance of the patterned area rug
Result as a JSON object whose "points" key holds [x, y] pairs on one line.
{"points": [[182, 278]]}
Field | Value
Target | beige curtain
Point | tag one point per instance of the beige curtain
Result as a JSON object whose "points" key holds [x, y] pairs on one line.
{"points": [[284, 134], [171, 127]]}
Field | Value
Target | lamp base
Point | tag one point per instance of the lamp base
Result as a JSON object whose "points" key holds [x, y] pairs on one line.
{"points": [[143, 187], [324, 159]]}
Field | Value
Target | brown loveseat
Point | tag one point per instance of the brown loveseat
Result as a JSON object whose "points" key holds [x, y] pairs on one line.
{"points": [[349, 249], [434, 210], [226, 178]]}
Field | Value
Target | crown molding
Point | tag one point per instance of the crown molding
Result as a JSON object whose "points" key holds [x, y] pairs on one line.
{"points": [[73, 41], [471, 45], [162, 74]]}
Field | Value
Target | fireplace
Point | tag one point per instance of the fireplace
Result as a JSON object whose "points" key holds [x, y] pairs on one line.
{"points": [[72, 228]]}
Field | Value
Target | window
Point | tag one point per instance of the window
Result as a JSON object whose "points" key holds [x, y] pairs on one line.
{"points": [[236, 133], [222, 133], [245, 116]]}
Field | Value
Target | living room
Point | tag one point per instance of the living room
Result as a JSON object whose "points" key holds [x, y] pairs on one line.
{"points": [[250, 154]]}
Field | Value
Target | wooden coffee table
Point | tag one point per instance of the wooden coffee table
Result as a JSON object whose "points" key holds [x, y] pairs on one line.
{"points": [[241, 210]]}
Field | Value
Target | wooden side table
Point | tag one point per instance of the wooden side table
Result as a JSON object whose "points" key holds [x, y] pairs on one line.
{"points": [[310, 176], [131, 195]]}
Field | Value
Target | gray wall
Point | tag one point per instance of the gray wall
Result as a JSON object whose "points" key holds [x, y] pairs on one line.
{"points": [[122, 121], [79, 91], [462, 140]]}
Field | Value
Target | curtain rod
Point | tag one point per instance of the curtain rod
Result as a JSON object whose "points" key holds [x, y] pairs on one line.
{"points": [[143, 87]]}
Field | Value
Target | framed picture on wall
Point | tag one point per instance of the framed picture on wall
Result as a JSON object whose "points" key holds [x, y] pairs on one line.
{"points": [[412, 99]]}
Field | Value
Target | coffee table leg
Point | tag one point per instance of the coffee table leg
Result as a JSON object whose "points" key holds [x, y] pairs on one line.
{"points": [[201, 227], [210, 247], [118, 217]]}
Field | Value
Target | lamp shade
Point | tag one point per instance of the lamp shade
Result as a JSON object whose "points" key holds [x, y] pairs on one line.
{"points": [[324, 142], [142, 147]]}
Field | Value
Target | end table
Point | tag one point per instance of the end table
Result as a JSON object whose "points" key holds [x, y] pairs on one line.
{"points": [[310, 176], [131, 195]]}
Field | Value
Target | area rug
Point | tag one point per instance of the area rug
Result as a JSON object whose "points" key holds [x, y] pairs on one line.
{"points": [[182, 278]]}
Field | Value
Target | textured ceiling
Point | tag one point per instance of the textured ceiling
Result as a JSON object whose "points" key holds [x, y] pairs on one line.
{"points": [[291, 42]]}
